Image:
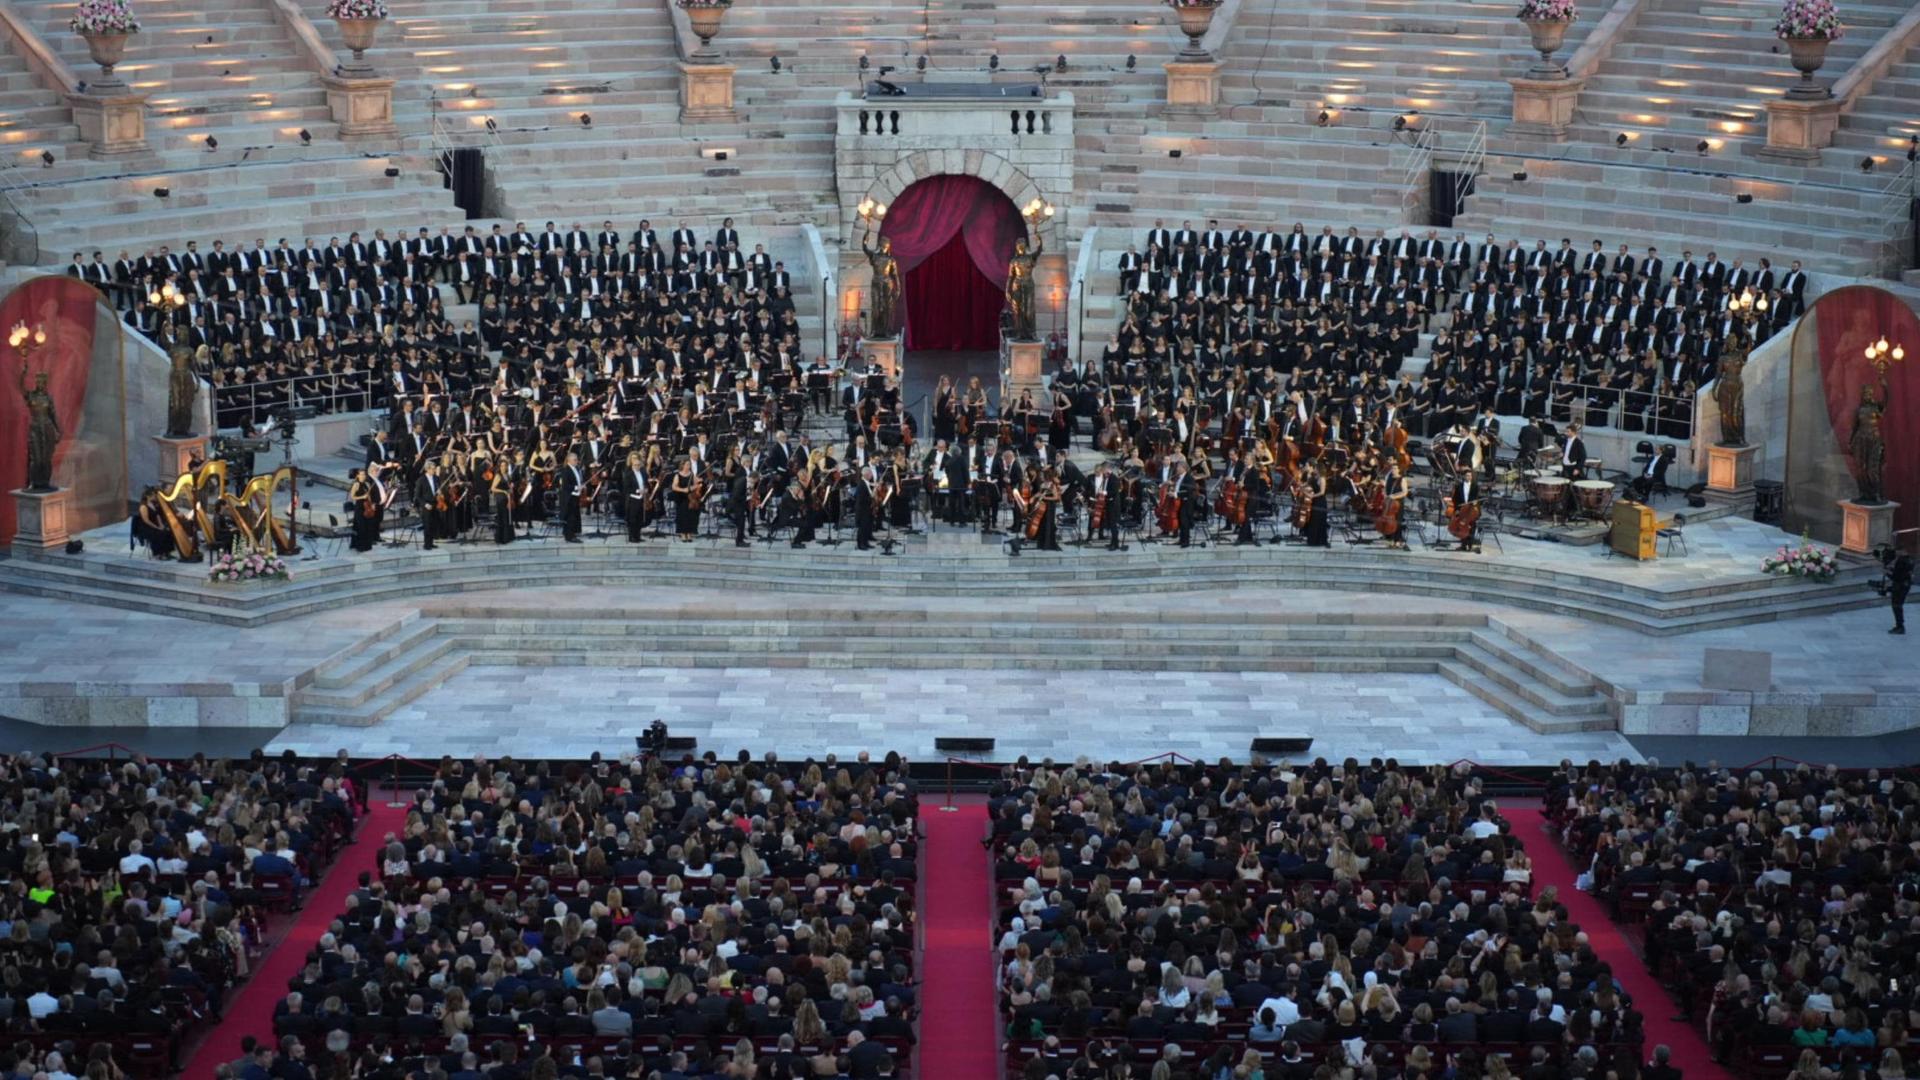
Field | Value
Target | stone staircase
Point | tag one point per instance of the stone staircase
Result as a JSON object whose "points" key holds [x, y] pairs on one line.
{"points": [[400, 664], [1884, 119]]}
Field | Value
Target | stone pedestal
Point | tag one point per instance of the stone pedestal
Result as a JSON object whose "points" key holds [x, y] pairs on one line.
{"points": [[1193, 88], [706, 92], [362, 107], [1543, 108], [40, 520], [114, 124], [1730, 470], [175, 456], [886, 353], [1024, 361], [1863, 528], [1797, 129]]}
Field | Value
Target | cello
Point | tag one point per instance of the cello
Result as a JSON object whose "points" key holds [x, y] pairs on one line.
{"points": [[1167, 511]]}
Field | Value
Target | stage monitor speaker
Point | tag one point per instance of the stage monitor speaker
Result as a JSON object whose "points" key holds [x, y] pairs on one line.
{"points": [[75, 547], [964, 744], [1283, 744], [681, 742]]}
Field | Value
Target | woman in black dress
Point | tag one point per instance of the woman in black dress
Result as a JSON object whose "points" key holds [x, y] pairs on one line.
{"points": [[686, 503]]}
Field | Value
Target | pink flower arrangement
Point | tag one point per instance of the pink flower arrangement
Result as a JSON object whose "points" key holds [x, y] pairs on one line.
{"points": [[1193, 3], [1548, 10], [233, 566], [705, 3], [356, 9], [1809, 19], [104, 17], [1806, 561]]}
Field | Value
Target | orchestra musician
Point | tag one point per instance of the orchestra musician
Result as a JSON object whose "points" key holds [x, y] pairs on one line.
{"points": [[426, 501], [1466, 509], [864, 509], [1104, 506], [1573, 454], [1047, 501], [634, 494], [369, 498], [500, 492], [1313, 487], [572, 485], [1394, 493], [686, 505], [737, 502]]}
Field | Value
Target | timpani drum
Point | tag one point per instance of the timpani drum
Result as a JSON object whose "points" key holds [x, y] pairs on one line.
{"points": [[1592, 497], [1550, 495]]}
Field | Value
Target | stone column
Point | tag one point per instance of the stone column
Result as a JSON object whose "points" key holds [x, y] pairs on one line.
{"points": [[1862, 527], [1797, 129], [40, 520], [1543, 108], [363, 107], [176, 456], [706, 92], [115, 124], [1193, 88]]}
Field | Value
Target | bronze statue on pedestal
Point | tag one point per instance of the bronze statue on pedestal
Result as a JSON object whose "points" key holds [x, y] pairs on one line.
{"points": [[43, 431], [1020, 289], [1868, 445], [885, 291], [1730, 390], [183, 391]]}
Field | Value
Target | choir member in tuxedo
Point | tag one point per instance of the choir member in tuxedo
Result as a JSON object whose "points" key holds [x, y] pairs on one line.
{"points": [[572, 483]]}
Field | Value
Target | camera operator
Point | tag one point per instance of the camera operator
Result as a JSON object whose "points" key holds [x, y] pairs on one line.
{"points": [[1899, 582]]}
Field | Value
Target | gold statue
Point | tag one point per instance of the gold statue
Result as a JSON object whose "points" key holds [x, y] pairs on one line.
{"points": [[1730, 390], [886, 288], [1868, 446], [183, 391], [1020, 289], [43, 431]]}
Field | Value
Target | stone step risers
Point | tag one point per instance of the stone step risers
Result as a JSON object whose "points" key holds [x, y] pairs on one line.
{"points": [[1546, 206]]}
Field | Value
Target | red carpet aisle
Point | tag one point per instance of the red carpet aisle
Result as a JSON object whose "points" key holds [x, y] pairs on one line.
{"points": [[250, 1011], [1551, 867], [959, 1036]]}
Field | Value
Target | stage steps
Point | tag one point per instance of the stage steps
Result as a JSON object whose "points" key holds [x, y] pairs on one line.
{"points": [[388, 574], [366, 684]]}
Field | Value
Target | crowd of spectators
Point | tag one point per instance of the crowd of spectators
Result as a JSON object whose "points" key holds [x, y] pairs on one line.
{"points": [[135, 897], [1616, 338], [634, 918], [1182, 920], [1779, 906]]}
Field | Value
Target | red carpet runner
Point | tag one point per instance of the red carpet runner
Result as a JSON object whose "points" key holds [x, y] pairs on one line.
{"points": [[959, 1035], [250, 1010], [1551, 867]]}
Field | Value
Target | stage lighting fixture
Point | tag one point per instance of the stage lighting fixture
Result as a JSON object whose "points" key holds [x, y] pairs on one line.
{"points": [[1620, 139], [864, 62], [1132, 61], [775, 61], [1173, 153], [920, 62], [1399, 123], [993, 62], [46, 158], [1743, 198], [1866, 164], [493, 127], [212, 144], [719, 155], [586, 121], [1060, 63], [1703, 146], [1324, 118], [306, 137], [1913, 147], [392, 172], [1520, 178], [161, 192]]}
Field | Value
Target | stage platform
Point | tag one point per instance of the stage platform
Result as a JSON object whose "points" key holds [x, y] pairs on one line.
{"points": [[1534, 653]]}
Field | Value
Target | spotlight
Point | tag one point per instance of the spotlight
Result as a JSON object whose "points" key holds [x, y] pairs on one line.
{"points": [[993, 62], [46, 158], [864, 62], [1060, 63], [1173, 153], [719, 155], [775, 61], [920, 64], [1866, 164], [162, 192], [212, 144], [1703, 146], [1132, 61], [1620, 139], [493, 128], [1324, 118], [586, 121], [1520, 177], [392, 172], [1743, 198], [306, 137], [1913, 147], [1399, 123]]}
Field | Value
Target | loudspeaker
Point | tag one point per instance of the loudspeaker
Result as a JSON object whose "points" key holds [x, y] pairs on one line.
{"points": [[681, 742], [1696, 496], [1283, 744], [75, 547], [964, 744]]}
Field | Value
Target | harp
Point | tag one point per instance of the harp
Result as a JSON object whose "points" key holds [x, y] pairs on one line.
{"points": [[253, 513], [190, 525]]}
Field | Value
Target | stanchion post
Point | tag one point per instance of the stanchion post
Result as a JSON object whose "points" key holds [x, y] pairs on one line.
{"points": [[394, 801], [949, 808]]}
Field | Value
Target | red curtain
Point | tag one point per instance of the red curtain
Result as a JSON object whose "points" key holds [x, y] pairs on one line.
{"points": [[64, 306], [953, 236], [1849, 320], [951, 304]]}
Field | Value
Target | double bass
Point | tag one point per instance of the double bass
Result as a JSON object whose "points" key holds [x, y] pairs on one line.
{"points": [[1461, 519], [1167, 510], [1231, 502]]}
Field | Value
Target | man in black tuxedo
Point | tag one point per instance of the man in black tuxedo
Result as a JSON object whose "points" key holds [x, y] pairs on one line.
{"points": [[737, 506], [571, 482], [1573, 454], [1466, 493], [426, 497], [863, 510]]}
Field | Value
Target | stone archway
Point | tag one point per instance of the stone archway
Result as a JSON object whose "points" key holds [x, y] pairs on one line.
{"points": [[911, 168]]}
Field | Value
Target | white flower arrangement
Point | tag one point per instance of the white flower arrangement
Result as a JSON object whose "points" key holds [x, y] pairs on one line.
{"points": [[1549, 10], [1809, 19], [1806, 561], [356, 9], [104, 17], [234, 566]]}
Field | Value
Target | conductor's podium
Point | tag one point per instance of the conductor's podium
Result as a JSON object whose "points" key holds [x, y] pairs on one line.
{"points": [[1634, 529]]}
